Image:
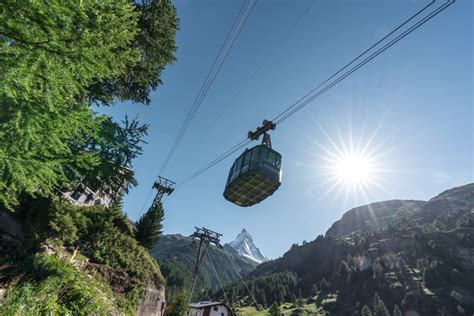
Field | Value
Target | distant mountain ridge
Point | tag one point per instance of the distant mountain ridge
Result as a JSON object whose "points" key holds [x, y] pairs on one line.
{"points": [[411, 256], [374, 216], [177, 258], [378, 215], [244, 246]]}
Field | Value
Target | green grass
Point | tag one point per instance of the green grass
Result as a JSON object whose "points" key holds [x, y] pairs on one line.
{"points": [[53, 286], [286, 309]]}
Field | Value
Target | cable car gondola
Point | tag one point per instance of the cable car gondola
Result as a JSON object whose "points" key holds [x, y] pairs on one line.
{"points": [[256, 173]]}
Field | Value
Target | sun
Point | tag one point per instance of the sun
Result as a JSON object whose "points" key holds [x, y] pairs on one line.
{"points": [[353, 169], [350, 167]]}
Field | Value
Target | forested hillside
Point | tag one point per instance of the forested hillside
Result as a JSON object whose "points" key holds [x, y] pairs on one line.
{"points": [[422, 261], [177, 259]]}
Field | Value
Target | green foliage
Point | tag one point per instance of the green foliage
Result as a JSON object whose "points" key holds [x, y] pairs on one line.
{"points": [[149, 226], [51, 55], [102, 234], [277, 287], [157, 23], [179, 304], [52, 286], [275, 309], [115, 146], [50, 52], [177, 277]]}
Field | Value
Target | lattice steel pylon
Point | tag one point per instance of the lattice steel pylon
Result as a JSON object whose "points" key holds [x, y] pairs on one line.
{"points": [[163, 186], [205, 237]]}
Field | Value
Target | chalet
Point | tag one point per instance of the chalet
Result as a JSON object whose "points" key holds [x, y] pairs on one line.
{"points": [[209, 309], [88, 193]]}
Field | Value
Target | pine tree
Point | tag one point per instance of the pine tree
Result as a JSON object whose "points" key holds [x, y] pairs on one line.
{"points": [[366, 311], [274, 310], [179, 304], [149, 226], [379, 306], [314, 290], [396, 311]]}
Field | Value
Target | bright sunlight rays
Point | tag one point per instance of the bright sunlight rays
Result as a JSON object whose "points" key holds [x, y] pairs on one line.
{"points": [[351, 167]]}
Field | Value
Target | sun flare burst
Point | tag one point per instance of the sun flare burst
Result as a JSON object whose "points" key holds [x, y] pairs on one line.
{"points": [[354, 167]]}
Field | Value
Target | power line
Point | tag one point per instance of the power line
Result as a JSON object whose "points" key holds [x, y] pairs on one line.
{"points": [[295, 107], [234, 32], [219, 60], [226, 154], [242, 279], [265, 61], [310, 96], [217, 275]]}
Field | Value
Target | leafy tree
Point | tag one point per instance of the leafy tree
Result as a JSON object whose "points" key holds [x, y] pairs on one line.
{"points": [[157, 23], [275, 310], [179, 304], [51, 55], [396, 311], [379, 306], [149, 226]]}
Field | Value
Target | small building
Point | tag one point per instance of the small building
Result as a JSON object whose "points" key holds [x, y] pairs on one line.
{"points": [[209, 309], [88, 193], [85, 195]]}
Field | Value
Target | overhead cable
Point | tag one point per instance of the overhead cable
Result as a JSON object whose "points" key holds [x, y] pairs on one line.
{"points": [[315, 92]]}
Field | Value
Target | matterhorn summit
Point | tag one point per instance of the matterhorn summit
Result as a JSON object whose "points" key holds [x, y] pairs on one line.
{"points": [[243, 245]]}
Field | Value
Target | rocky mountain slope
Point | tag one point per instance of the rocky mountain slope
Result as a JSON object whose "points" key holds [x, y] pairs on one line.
{"points": [[411, 256], [373, 217], [177, 258], [244, 246]]}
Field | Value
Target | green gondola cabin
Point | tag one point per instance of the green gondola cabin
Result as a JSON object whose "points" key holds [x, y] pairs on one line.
{"points": [[254, 176]]}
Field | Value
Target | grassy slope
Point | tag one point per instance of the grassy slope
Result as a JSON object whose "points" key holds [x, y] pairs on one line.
{"points": [[286, 309], [108, 275]]}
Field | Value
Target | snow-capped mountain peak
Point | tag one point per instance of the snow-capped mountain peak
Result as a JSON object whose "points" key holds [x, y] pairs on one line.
{"points": [[244, 246]]}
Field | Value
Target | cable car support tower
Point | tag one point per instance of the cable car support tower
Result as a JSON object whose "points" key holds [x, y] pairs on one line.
{"points": [[163, 186], [205, 237]]}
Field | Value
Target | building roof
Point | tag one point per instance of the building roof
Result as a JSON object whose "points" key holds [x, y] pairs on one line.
{"points": [[205, 304]]}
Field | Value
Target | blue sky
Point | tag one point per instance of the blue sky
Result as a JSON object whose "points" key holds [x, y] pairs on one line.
{"points": [[415, 100]]}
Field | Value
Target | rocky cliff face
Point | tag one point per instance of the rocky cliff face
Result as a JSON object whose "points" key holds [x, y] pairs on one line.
{"points": [[153, 302]]}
